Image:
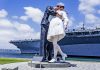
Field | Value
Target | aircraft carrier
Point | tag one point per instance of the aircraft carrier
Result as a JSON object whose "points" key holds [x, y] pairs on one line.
{"points": [[84, 42]]}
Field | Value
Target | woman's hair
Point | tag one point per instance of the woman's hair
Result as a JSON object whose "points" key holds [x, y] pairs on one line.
{"points": [[63, 7]]}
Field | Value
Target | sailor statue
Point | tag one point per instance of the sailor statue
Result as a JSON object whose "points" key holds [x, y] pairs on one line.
{"points": [[46, 47]]}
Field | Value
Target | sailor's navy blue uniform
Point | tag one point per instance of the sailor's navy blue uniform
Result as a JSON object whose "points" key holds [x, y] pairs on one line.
{"points": [[46, 46]]}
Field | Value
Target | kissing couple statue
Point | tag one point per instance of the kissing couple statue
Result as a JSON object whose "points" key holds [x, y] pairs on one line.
{"points": [[53, 25]]}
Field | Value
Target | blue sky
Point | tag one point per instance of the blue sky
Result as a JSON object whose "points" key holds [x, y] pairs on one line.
{"points": [[16, 7], [20, 19]]}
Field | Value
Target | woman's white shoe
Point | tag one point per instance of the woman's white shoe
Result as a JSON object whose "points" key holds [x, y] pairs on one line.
{"points": [[52, 60]]}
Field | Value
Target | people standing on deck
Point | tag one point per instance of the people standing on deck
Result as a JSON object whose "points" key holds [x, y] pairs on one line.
{"points": [[56, 30]]}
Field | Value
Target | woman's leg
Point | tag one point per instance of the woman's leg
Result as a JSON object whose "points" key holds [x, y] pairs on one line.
{"points": [[60, 51], [54, 40], [62, 54], [55, 47]]}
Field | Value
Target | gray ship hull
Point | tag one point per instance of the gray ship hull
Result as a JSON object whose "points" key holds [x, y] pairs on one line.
{"points": [[77, 49], [75, 44], [82, 49]]}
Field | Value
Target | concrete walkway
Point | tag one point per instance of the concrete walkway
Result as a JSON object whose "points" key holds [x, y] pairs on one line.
{"points": [[80, 65]]}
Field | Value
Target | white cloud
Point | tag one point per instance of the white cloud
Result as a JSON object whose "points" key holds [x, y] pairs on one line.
{"points": [[6, 35], [90, 18], [25, 18], [79, 26], [16, 31], [89, 9], [23, 27], [5, 23], [3, 13], [6, 45], [87, 6], [71, 22], [34, 13]]}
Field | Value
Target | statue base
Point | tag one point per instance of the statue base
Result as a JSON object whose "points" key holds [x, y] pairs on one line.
{"points": [[38, 64]]}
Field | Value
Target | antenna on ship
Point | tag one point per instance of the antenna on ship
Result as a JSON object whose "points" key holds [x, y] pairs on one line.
{"points": [[83, 26]]}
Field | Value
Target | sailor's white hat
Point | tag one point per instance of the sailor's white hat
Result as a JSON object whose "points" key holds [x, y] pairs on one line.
{"points": [[60, 4]]}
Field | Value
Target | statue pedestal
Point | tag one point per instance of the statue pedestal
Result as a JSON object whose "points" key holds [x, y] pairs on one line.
{"points": [[37, 58], [38, 64]]}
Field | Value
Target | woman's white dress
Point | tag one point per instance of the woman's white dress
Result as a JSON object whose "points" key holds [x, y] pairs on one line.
{"points": [[56, 27]]}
